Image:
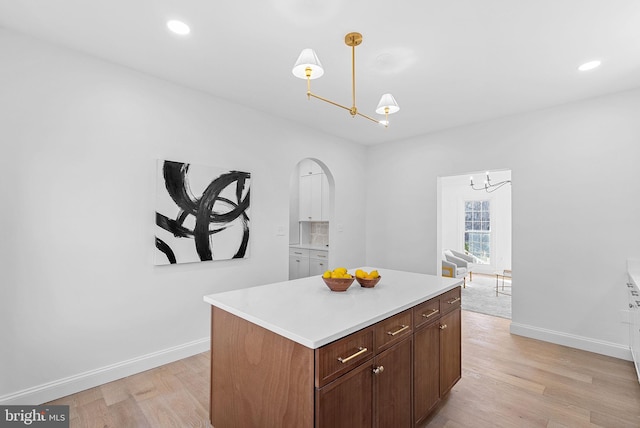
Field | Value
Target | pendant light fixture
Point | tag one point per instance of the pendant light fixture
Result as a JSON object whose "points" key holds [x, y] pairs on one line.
{"points": [[309, 67], [489, 187]]}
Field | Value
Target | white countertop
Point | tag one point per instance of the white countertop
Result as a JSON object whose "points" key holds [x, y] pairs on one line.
{"points": [[306, 311], [310, 247]]}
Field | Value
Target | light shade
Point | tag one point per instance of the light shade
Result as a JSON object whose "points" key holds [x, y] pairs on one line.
{"points": [[590, 65], [178, 27], [308, 59], [387, 100]]}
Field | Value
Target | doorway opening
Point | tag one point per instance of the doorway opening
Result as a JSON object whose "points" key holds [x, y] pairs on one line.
{"points": [[474, 239], [310, 210]]}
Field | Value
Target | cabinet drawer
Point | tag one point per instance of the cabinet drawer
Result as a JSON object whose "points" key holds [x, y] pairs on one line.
{"points": [[319, 254], [450, 300], [393, 329], [426, 312], [299, 252], [338, 357]]}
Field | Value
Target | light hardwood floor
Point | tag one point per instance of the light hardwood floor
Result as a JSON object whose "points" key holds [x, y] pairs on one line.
{"points": [[507, 381]]}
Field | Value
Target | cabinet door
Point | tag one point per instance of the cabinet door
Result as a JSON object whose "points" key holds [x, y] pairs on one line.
{"points": [[317, 267], [426, 370], [298, 267], [324, 199], [392, 387], [450, 350], [347, 401], [316, 196], [306, 196]]}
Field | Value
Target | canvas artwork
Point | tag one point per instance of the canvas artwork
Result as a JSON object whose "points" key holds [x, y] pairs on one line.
{"points": [[202, 213]]}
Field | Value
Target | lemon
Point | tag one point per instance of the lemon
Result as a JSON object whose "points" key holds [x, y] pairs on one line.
{"points": [[346, 275], [360, 273], [327, 274], [374, 274], [335, 274], [340, 270], [368, 277]]}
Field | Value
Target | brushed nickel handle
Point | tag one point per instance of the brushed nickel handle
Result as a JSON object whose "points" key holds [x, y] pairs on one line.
{"points": [[451, 302], [378, 370], [361, 351], [433, 312], [398, 331], [443, 326]]}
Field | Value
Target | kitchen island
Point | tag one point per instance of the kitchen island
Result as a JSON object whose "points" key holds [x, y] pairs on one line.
{"points": [[296, 354]]}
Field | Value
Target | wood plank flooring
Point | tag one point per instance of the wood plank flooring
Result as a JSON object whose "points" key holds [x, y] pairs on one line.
{"points": [[507, 381]]}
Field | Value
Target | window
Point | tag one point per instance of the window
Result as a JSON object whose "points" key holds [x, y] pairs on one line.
{"points": [[477, 230]]}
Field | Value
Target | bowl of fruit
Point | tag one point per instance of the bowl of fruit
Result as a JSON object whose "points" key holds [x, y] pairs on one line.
{"points": [[338, 279], [367, 280]]}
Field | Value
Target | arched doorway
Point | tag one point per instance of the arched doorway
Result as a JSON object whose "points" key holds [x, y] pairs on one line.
{"points": [[310, 210]]}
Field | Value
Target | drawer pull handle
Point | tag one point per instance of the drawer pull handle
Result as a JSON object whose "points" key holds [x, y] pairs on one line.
{"points": [[398, 331], [451, 302], [295, 252], [443, 326], [361, 351], [378, 370], [433, 312]]}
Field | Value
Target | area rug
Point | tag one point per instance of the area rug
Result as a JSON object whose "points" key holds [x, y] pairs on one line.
{"points": [[480, 296]]}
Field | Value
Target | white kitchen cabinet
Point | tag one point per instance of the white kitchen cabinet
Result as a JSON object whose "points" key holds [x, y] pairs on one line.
{"points": [[313, 192], [304, 262], [298, 263], [318, 262], [314, 197]]}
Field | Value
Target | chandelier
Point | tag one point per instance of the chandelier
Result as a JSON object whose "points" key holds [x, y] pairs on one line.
{"points": [[488, 185], [309, 67]]}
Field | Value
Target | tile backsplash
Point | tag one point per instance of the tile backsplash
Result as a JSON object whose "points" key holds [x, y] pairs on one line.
{"points": [[314, 233]]}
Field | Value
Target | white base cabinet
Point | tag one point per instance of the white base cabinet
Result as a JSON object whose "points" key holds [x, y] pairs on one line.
{"points": [[304, 262]]}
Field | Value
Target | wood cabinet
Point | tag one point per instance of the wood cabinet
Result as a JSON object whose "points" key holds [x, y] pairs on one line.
{"points": [[378, 360], [347, 403], [376, 393], [389, 374], [437, 354], [392, 386]]}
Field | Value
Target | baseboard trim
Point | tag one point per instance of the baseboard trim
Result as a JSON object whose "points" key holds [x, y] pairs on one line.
{"points": [[579, 342], [76, 383]]}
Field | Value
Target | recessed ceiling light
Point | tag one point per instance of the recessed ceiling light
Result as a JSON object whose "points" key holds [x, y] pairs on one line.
{"points": [[178, 27], [590, 65]]}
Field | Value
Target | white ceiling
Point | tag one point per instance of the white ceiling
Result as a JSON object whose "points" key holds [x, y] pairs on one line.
{"points": [[447, 62]]}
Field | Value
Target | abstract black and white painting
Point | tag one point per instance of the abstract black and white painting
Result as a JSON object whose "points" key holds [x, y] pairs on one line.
{"points": [[202, 213]]}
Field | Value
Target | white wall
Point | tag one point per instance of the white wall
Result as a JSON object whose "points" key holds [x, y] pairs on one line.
{"points": [[455, 190], [575, 211], [82, 302]]}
